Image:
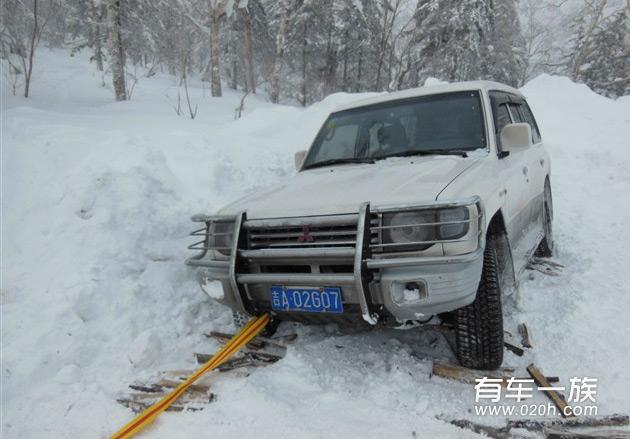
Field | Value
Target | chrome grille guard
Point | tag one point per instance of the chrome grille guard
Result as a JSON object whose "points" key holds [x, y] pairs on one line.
{"points": [[279, 239]]}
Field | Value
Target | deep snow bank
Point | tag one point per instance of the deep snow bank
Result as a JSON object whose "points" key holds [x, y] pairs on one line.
{"points": [[96, 198]]}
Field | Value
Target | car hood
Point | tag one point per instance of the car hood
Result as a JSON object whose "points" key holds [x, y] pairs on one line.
{"points": [[342, 188]]}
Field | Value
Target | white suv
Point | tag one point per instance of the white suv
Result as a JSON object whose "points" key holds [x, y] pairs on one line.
{"points": [[407, 205]]}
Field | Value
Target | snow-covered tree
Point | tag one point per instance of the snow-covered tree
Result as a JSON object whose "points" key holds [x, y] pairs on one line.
{"points": [[21, 27], [506, 45], [601, 58], [452, 38]]}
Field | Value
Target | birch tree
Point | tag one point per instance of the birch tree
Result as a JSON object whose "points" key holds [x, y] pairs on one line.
{"points": [[21, 29], [116, 49], [218, 9], [96, 35], [287, 10], [248, 46]]}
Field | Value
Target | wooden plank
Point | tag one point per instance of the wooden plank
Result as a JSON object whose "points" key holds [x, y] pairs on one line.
{"points": [[563, 433], [515, 349], [493, 432], [560, 425], [256, 357], [555, 396], [525, 339], [171, 384], [468, 376], [140, 406], [615, 420]]}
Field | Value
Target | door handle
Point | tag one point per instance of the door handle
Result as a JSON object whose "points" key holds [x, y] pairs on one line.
{"points": [[542, 162]]}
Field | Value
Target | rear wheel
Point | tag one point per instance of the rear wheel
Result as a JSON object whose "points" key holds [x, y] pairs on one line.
{"points": [[545, 248], [479, 326]]}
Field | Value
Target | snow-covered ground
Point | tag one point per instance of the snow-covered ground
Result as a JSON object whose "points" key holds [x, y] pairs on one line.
{"points": [[96, 199]]}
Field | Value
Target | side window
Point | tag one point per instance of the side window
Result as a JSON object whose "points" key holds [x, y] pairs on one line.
{"points": [[529, 118], [516, 112], [501, 113], [522, 113], [503, 117]]}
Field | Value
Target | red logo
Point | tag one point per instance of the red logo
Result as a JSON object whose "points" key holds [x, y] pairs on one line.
{"points": [[305, 236]]}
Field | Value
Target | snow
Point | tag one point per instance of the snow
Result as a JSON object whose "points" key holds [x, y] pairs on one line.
{"points": [[96, 200]]}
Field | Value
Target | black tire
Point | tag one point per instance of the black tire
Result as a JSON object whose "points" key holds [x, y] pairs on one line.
{"points": [[545, 248], [479, 326], [241, 320]]}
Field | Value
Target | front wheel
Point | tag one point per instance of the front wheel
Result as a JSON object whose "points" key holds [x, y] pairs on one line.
{"points": [[479, 326]]}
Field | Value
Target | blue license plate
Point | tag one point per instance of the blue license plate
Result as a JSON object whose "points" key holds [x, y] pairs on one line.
{"points": [[306, 299]]}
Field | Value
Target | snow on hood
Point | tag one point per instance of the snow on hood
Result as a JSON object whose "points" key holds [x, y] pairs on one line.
{"points": [[342, 188]]}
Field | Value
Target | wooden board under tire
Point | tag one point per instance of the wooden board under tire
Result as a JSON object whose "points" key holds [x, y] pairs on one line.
{"points": [[468, 376], [257, 353], [557, 426], [556, 397]]}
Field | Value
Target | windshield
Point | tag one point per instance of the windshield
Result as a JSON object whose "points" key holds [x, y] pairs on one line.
{"points": [[435, 124]]}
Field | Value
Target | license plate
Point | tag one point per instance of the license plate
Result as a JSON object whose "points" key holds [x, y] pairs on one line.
{"points": [[306, 299]]}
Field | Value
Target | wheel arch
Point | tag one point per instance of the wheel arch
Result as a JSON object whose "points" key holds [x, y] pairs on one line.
{"points": [[496, 231]]}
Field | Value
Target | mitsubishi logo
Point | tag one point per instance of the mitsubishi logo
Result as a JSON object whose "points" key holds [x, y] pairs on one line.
{"points": [[305, 236]]}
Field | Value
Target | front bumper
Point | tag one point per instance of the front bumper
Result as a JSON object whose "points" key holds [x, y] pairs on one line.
{"points": [[374, 288]]}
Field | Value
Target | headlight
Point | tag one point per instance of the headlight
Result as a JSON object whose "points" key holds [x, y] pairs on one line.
{"points": [[456, 219], [220, 235], [416, 230]]}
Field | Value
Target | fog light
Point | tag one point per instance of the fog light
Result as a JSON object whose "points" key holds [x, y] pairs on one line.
{"points": [[398, 295], [408, 293]]}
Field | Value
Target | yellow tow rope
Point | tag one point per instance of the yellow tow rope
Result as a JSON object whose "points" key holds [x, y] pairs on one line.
{"points": [[249, 331]]}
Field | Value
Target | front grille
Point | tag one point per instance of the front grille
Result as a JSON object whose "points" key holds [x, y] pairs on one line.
{"points": [[315, 232]]}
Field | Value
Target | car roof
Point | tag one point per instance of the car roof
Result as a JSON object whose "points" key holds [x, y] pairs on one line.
{"points": [[429, 90]]}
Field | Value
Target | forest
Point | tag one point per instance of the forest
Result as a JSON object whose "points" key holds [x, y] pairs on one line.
{"points": [[299, 51]]}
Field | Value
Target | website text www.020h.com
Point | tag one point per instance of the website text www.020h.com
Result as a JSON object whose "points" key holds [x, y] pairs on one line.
{"points": [[541, 410], [582, 390]]}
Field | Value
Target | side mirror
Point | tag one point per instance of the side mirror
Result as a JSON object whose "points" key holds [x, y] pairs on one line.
{"points": [[299, 158], [516, 136]]}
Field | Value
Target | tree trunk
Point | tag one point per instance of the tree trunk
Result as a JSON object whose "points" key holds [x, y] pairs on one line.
{"points": [[304, 44], [330, 68], [381, 52], [345, 63], [97, 17], [274, 86], [357, 86], [116, 50], [98, 50], [249, 50], [234, 82], [31, 51], [215, 55]]}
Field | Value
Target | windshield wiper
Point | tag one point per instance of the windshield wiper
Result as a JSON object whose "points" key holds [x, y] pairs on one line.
{"points": [[340, 162], [412, 152]]}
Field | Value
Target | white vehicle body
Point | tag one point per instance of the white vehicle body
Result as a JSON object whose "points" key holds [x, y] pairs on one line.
{"points": [[502, 187]]}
